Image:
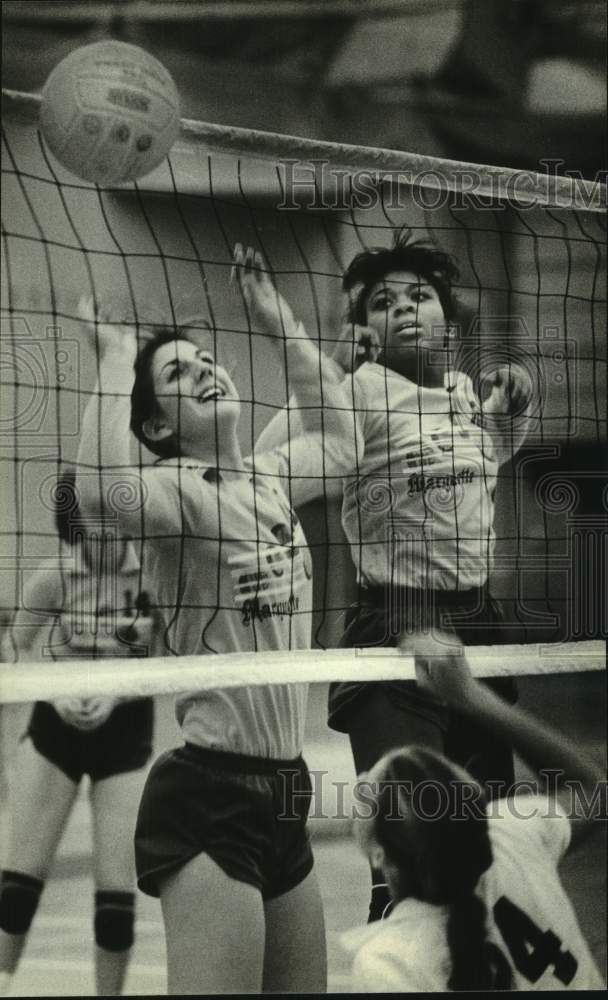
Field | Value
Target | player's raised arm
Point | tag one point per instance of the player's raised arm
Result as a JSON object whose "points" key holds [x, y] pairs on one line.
{"points": [[442, 668], [104, 446], [325, 412], [308, 368], [105, 475]]}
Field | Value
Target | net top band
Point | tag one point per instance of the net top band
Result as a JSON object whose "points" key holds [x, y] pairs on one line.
{"points": [[141, 677], [522, 188]]}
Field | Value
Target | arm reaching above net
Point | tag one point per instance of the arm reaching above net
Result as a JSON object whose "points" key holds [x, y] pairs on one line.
{"points": [[322, 437], [105, 473], [442, 668]]}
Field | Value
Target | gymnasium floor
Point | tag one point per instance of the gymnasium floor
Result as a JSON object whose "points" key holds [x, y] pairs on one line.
{"points": [[57, 961]]}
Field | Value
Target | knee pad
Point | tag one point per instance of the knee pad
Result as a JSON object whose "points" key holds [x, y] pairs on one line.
{"points": [[114, 920], [19, 897]]}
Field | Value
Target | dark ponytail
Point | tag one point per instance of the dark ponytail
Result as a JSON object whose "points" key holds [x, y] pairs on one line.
{"points": [[477, 964], [439, 848]]}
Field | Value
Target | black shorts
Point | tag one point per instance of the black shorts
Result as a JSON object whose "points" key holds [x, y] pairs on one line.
{"points": [[473, 615], [247, 813], [122, 743]]}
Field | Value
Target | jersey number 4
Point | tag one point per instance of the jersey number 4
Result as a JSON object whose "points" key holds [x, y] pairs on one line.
{"points": [[531, 949]]}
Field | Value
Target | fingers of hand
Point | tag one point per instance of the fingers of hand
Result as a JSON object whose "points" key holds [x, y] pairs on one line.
{"points": [[521, 387], [368, 343], [508, 386], [247, 263], [423, 671], [435, 644], [87, 310]]}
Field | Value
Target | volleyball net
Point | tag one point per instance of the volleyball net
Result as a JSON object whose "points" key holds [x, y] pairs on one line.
{"points": [[531, 289]]}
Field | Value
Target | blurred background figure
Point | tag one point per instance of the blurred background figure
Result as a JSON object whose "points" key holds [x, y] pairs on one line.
{"points": [[90, 605]]}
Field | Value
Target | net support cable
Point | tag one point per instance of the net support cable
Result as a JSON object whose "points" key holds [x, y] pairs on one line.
{"points": [[24, 682], [527, 188]]}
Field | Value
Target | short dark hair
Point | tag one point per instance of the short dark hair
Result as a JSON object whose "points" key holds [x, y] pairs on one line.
{"points": [[143, 397], [370, 266]]}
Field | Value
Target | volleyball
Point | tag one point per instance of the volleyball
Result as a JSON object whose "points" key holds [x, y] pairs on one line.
{"points": [[110, 112]]}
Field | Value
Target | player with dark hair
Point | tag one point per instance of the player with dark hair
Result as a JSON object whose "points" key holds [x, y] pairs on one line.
{"points": [[478, 901], [90, 606], [231, 572], [418, 513]]}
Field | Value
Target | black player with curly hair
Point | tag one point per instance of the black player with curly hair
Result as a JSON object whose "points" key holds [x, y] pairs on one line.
{"points": [[419, 511], [419, 514]]}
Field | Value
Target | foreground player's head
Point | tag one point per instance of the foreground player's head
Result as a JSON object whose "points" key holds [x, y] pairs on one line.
{"points": [[182, 402], [432, 266], [404, 293], [428, 833]]}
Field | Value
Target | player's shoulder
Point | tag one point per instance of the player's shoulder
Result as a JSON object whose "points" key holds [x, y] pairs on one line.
{"points": [[392, 953], [372, 382], [177, 472], [529, 823], [371, 372], [177, 488]]}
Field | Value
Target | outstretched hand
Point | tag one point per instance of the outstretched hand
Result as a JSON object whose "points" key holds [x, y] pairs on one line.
{"points": [[266, 307], [507, 390], [441, 666], [111, 338], [356, 345]]}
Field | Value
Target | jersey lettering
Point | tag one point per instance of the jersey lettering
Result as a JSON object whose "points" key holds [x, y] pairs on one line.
{"points": [[532, 950]]}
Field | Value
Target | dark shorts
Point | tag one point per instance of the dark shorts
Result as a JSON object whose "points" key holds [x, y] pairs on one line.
{"points": [[381, 617], [248, 814], [122, 743]]}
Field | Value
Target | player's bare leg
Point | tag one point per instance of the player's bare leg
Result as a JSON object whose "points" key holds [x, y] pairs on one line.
{"points": [[33, 839], [295, 959], [114, 803], [214, 929]]}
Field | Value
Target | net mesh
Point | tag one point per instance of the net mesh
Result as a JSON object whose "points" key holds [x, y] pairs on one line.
{"points": [[158, 252]]}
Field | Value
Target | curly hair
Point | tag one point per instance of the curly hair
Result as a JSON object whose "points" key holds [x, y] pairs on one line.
{"points": [[436, 266]]}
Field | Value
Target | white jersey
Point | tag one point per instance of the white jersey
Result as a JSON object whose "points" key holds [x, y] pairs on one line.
{"points": [[530, 918], [419, 512], [231, 572], [100, 608]]}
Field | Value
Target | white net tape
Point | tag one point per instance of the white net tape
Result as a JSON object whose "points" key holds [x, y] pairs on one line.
{"points": [[525, 187], [175, 675]]}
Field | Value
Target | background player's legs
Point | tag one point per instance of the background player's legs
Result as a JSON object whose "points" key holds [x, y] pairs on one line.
{"points": [[295, 959], [379, 724], [114, 802], [214, 929], [40, 802]]}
